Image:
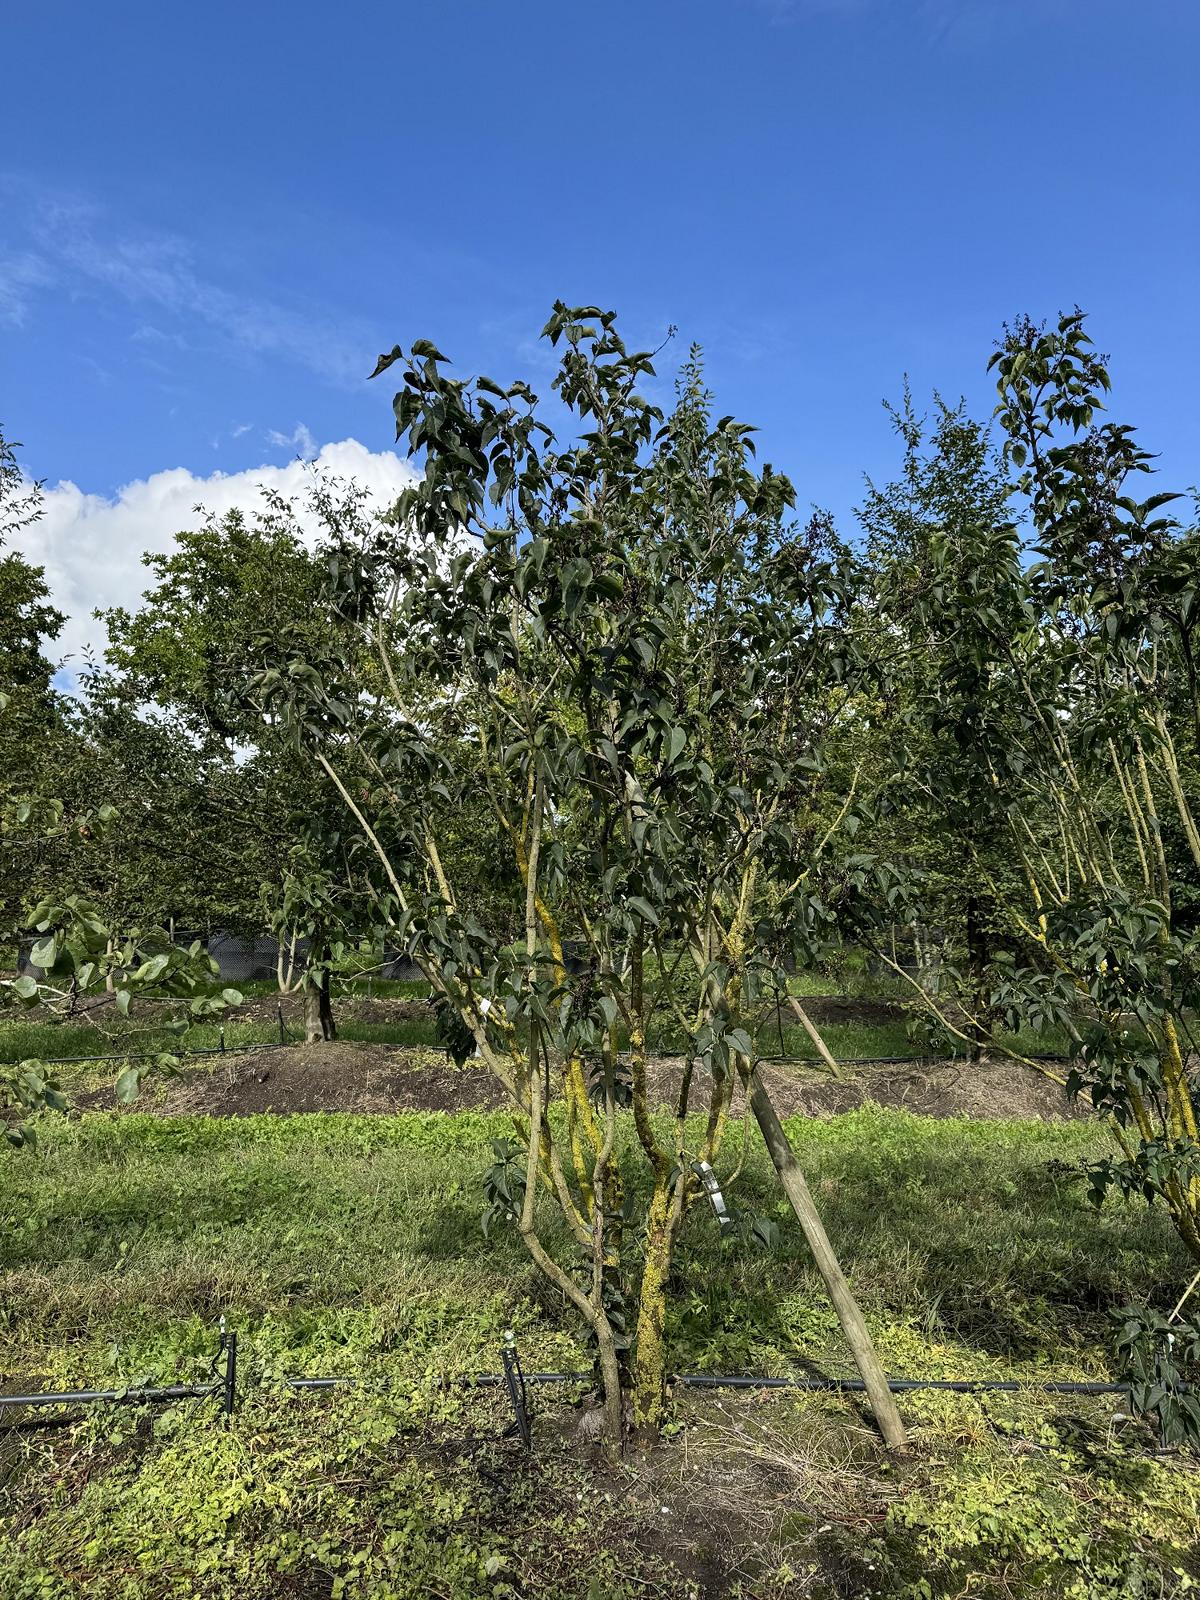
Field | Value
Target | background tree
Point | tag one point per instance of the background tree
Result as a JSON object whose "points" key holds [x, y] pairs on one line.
{"points": [[189, 649], [944, 553], [171, 790], [30, 708], [1089, 763], [89, 963]]}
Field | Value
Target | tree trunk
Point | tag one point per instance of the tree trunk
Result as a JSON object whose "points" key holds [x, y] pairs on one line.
{"points": [[979, 1025], [649, 1355], [318, 1009], [792, 1178]]}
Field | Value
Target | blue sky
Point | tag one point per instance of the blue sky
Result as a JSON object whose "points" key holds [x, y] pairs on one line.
{"points": [[212, 218]]}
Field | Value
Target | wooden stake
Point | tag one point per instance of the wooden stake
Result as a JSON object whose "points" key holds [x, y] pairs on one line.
{"points": [[796, 1188]]}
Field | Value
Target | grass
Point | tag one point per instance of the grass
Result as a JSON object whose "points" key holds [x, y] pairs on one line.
{"points": [[352, 1244], [955, 1226], [53, 1041], [56, 1041], [850, 1040]]}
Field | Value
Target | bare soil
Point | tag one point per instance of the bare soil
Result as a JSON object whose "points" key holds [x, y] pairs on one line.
{"points": [[377, 1078], [825, 1008]]}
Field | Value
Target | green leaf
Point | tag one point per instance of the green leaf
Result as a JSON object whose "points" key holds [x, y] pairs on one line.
{"points": [[129, 1086], [123, 1002], [765, 1232], [738, 1039], [643, 909], [423, 347], [385, 361]]}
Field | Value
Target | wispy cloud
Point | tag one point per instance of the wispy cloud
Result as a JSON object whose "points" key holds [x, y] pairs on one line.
{"points": [[784, 11], [75, 245], [21, 276], [149, 335], [941, 23], [300, 439]]}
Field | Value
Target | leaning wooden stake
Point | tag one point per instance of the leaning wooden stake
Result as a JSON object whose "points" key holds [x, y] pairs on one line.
{"points": [[813, 1033], [846, 1306]]}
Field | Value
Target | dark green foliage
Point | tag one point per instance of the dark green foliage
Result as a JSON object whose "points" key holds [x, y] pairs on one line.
{"points": [[1161, 1357]]}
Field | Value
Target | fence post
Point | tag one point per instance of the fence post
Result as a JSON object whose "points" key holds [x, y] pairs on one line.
{"points": [[514, 1382], [229, 1382]]}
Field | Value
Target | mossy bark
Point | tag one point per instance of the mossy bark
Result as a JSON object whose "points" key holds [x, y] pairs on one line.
{"points": [[649, 1355]]}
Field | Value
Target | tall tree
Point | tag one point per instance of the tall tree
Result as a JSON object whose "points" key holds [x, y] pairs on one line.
{"points": [[218, 599], [617, 634], [29, 707], [944, 551], [1086, 757], [88, 964]]}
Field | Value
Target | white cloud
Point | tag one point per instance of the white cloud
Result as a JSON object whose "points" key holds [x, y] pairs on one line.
{"points": [[92, 547], [300, 439]]}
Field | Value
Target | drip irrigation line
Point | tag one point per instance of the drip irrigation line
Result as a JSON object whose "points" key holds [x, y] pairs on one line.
{"points": [[706, 1380], [74, 1397], [482, 1380], [179, 1055], [662, 1055], [842, 1061], [702, 1380], [854, 1061]]}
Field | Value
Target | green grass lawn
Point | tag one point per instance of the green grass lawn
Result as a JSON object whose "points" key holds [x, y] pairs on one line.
{"points": [[849, 1041], [345, 1244], [55, 1041]]}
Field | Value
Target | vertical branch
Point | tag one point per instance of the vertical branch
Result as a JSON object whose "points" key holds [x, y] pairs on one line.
{"points": [[533, 1077], [1137, 822]]}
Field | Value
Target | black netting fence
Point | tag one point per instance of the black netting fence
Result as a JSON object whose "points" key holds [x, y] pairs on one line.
{"points": [[246, 957]]}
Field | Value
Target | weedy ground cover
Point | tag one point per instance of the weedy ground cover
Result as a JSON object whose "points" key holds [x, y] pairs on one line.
{"points": [[352, 1245]]}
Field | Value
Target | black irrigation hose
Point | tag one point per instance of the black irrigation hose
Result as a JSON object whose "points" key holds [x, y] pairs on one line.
{"points": [[856, 1061], [664, 1055], [179, 1055], [704, 1380], [701, 1380], [174, 1391], [687, 1380]]}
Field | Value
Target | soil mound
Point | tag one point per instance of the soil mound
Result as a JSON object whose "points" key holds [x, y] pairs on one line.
{"points": [[375, 1078]]}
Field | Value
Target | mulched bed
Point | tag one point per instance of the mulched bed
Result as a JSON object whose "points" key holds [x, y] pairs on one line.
{"points": [[374, 1078]]}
